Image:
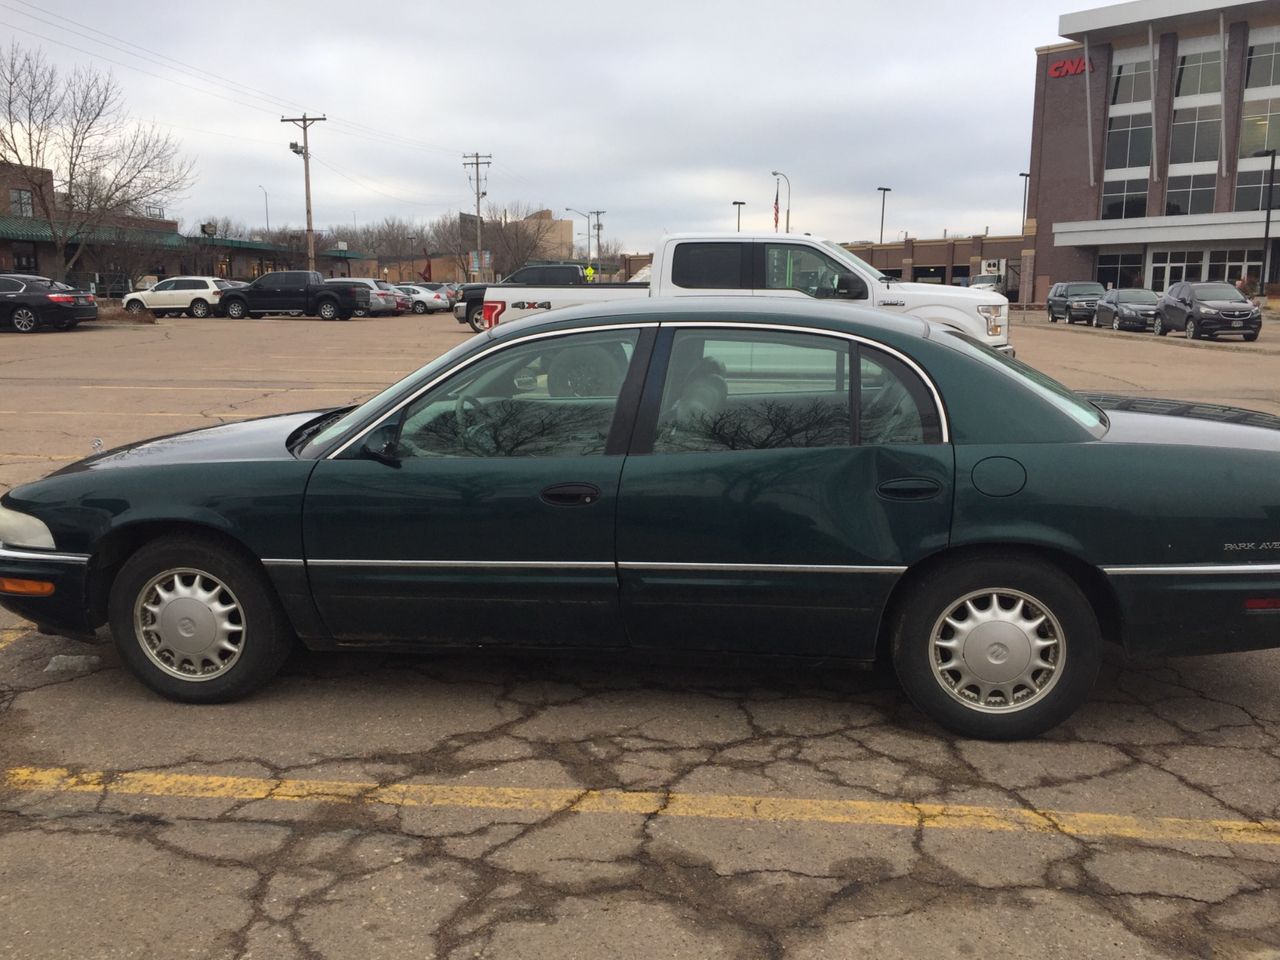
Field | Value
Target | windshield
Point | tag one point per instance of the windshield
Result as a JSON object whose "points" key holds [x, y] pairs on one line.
{"points": [[1136, 296], [985, 278], [1084, 289], [374, 404], [1077, 408], [1218, 291], [844, 255]]}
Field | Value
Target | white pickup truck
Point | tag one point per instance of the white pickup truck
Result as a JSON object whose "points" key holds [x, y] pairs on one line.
{"points": [[770, 265]]}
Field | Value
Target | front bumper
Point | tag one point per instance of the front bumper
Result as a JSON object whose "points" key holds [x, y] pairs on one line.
{"points": [[1007, 349], [67, 608], [1219, 325]]}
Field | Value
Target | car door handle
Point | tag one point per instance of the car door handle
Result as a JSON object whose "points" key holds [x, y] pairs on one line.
{"points": [[571, 494], [909, 488]]}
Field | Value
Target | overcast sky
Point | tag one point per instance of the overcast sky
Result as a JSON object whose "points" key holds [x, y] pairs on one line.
{"points": [[662, 118]]}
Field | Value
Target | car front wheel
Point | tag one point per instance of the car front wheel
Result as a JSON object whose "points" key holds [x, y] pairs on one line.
{"points": [[134, 307], [236, 309], [1115, 322], [1193, 331], [1159, 328], [24, 320], [997, 649], [196, 621]]}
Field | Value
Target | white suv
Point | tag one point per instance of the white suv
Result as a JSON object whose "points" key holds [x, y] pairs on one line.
{"points": [[196, 296]]}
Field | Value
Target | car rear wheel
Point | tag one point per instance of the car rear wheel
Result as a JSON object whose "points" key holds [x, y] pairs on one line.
{"points": [[236, 309], [1193, 331], [419, 307], [24, 320], [198, 309], [197, 622], [475, 318], [327, 310], [997, 649]]}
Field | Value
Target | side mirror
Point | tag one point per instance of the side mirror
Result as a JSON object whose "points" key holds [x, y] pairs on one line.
{"points": [[850, 286], [383, 445]]}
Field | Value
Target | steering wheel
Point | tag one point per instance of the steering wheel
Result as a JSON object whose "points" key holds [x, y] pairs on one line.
{"points": [[468, 408]]}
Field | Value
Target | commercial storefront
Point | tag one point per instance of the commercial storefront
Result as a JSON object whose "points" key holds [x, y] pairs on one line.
{"points": [[1154, 135]]}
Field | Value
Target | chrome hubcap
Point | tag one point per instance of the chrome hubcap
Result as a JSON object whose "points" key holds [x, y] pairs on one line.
{"points": [[997, 650], [189, 624]]}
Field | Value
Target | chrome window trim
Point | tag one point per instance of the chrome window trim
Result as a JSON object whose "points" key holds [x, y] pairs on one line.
{"points": [[362, 432], [16, 553], [856, 338], [1191, 569], [279, 562]]}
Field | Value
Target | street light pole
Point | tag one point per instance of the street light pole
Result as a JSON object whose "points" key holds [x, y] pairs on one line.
{"points": [[1026, 184], [588, 216], [884, 192], [266, 204], [599, 248], [305, 123], [739, 204], [779, 173], [411, 240]]}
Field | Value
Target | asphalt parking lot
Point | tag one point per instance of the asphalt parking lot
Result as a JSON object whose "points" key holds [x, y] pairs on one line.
{"points": [[485, 806]]}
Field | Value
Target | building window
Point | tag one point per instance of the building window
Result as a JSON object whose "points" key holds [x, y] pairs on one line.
{"points": [[155, 213], [1259, 126], [1263, 69], [1199, 73], [24, 257], [1197, 134], [1131, 82], [1250, 187], [1123, 199], [1129, 141], [21, 203], [1190, 195], [1231, 265], [1119, 270]]}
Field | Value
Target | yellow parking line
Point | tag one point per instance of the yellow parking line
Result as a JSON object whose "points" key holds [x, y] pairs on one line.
{"points": [[33, 456], [10, 634], [277, 388], [691, 805], [126, 413]]}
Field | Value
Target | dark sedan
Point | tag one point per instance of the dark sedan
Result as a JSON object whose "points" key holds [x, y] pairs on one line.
{"points": [[738, 475], [1209, 310], [28, 303], [1131, 309]]}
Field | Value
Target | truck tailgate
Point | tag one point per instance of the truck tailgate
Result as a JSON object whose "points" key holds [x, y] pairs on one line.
{"points": [[504, 304]]}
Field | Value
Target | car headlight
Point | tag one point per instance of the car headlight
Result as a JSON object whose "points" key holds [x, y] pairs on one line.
{"points": [[1128, 312], [1208, 311], [23, 530], [994, 314]]}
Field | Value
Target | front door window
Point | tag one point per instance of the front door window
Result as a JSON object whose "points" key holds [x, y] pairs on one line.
{"points": [[795, 267]]}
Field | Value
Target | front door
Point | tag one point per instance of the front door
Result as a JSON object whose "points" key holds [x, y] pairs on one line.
{"points": [[780, 484], [483, 510]]}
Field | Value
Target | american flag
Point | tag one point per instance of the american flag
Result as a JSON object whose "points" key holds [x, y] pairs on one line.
{"points": [[776, 187]]}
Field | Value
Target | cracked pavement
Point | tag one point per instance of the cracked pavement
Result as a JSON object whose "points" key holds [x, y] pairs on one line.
{"points": [[511, 806]]}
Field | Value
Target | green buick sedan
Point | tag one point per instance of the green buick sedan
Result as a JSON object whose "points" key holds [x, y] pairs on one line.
{"points": [[746, 475]]}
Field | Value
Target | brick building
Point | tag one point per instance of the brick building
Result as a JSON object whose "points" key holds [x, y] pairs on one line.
{"points": [[1149, 145]]}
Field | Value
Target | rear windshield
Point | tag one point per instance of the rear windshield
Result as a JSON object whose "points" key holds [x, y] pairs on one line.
{"points": [[1217, 291], [1137, 296], [383, 285], [1083, 289], [222, 284]]}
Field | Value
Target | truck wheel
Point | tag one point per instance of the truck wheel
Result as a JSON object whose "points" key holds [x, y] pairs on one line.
{"points": [[235, 309], [327, 310], [475, 317]]}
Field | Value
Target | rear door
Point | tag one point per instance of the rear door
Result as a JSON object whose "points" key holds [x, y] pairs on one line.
{"points": [[779, 484]]}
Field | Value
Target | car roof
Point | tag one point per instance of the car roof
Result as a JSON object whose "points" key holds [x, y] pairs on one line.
{"points": [[835, 317]]}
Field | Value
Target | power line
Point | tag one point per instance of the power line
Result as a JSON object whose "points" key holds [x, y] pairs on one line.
{"points": [[390, 196]]}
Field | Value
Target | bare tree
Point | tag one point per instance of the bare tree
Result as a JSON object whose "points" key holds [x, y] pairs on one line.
{"points": [[445, 237], [516, 233], [293, 244], [72, 145]]}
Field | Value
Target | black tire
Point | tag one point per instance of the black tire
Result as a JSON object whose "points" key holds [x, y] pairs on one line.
{"points": [[1070, 624], [344, 316], [1192, 329], [24, 320], [134, 307], [1250, 337], [236, 309], [419, 307], [475, 317], [264, 637], [198, 309], [1160, 328], [1095, 320], [327, 309], [1115, 322], [1052, 318]]}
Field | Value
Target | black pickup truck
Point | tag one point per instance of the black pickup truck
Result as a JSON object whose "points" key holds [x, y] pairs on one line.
{"points": [[295, 291], [469, 309]]}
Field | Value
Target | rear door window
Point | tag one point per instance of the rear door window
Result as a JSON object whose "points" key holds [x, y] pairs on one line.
{"points": [[712, 266]]}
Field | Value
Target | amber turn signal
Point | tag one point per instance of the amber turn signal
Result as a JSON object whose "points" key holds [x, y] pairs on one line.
{"points": [[26, 588]]}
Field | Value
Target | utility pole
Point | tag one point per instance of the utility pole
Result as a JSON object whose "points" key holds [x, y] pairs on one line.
{"points": [[476, 161], [599, 249], [305, 123]]}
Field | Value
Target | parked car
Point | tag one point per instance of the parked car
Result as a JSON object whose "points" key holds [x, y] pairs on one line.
{"points": [[1129, 309], [445, 289], [194, 296], [424, 300], [1073, 301], [404, 303], [28, 303], [696, 474], [382, 298], [1210, 310], [301, 292]]}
